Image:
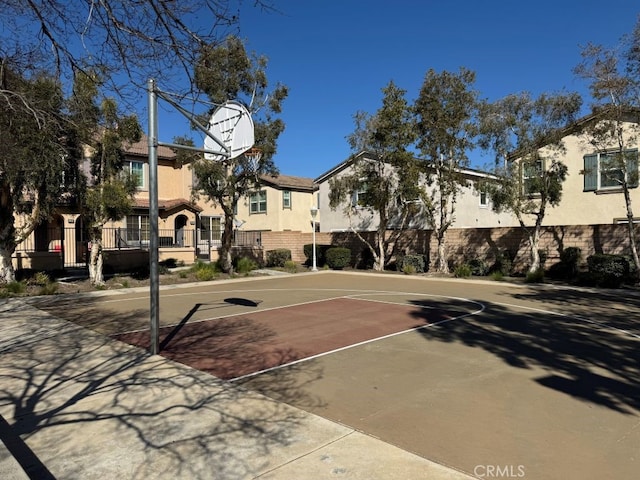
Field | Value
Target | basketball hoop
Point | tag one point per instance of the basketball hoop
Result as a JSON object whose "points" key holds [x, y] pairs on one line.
{"points": [[253, 156]]}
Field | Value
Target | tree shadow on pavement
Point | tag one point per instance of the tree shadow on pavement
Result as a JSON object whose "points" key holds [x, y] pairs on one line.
{"points": [[89, 406], [583, 359]]}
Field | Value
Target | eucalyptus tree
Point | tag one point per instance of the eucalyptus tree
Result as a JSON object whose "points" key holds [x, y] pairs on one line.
{"points": [[33, 155], [228, 72], [383, 179], [106, 194], [446, 124], [526, 135], [613, 134]]}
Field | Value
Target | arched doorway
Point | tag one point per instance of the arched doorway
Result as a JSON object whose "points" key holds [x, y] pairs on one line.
{"points": [[179, 224]]}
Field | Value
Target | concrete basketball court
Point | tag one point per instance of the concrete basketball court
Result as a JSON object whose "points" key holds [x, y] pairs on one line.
{"points": [[492, 379]]}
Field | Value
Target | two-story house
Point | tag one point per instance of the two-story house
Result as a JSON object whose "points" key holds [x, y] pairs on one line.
{"points": [[473, 207]]}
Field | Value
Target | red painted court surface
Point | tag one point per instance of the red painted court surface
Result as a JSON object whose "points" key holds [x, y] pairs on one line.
{"points": [[235, 346]]}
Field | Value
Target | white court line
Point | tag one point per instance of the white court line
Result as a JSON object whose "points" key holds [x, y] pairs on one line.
{"points": [[358, 293], [365, 342], [581, 319]]}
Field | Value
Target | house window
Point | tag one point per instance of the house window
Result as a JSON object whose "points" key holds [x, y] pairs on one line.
{"points": [[360, 197], [138, 228], [531, 174], [258, 202], [484, 199], [210, 228], [286, 199], [136, 170], [605, 171]]}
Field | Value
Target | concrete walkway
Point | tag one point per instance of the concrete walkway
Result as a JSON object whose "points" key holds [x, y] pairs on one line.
{"points": [[76, 404]]}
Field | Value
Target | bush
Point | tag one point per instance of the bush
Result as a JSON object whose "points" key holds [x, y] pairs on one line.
{"points": [[503, 263], [415, 262], [15, 288], [408, 269], [366, 259], [535, 277], [205, 271], [568, 265], [244, 265], [610, 271], [278, 257], [478, 267], [497, 276], [321, 251], [462, 271], [338, 257], [290, 266]]}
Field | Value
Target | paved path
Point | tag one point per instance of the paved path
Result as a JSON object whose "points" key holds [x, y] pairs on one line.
{"points": [[76, 404]]}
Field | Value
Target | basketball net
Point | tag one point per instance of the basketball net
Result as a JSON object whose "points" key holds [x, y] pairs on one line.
{"points": [[253, 156]]}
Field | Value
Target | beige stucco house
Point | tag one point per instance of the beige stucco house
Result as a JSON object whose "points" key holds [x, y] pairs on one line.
{"points": [[473, 208], [281, 203], [591, 194]]}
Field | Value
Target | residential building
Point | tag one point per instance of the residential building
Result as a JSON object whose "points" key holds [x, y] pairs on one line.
{"points": [[473, 207], [280, 203]]}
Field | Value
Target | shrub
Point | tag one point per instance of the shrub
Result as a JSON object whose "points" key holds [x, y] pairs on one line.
{"points": [[408, 269], [244, 265], [609, 270], [278, 257], [321, 251], [13, 288], [416, 262], [497, 276], [462, 271], [478, 267], [205, 271], [503, 263], [338, 257], [290, 266], [366, 259], [535, 277], [568, 265], [169, 263], [40, 278]]}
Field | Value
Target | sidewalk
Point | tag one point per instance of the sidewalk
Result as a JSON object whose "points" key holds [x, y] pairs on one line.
{"points": [[75, 404]]}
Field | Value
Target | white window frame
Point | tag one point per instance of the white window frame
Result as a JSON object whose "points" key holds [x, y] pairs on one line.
{"points": [[258, 202], [129, 167], [210, 228], [286, 199]]}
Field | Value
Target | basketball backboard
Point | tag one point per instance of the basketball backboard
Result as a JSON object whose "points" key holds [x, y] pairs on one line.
{"points": [[231, 127]]}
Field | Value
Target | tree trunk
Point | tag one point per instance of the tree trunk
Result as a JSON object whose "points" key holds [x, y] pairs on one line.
{"points": [[380, 257], [96, 261], [534, 254], [442, 263], [225, 262], [631, 232], [7, 274]]}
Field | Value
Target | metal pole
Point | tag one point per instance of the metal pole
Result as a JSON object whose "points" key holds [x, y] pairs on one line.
{"points": [[314, 212], [154, 292]]}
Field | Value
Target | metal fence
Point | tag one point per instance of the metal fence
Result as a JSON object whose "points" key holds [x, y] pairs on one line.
{"points": [[73, 244]]}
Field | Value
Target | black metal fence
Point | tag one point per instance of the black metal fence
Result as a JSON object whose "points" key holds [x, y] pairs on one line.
{"points": [[73, 244]]}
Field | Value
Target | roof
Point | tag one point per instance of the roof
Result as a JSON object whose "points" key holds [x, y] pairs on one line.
{"points": [[141, 148], [167, 204], [470, 172], [289, 182]]}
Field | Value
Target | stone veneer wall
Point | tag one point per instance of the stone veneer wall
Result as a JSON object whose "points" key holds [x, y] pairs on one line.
{"points": [[468, 243]]}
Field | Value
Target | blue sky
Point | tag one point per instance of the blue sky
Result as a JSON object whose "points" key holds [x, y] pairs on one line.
{"points": [[336, 56]]}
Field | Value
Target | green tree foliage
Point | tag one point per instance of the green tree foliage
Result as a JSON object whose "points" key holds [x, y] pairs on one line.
{"points": [[33, 155], [614, 83], [446, 125], [228, 72], [107, 192], [382, 175], [526, 136]]}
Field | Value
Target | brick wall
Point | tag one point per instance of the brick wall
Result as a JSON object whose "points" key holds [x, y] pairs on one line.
{"points": [[465, 244]]}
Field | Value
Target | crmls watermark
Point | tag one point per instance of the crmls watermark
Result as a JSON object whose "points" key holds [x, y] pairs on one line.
{"points": [[499, 471]]}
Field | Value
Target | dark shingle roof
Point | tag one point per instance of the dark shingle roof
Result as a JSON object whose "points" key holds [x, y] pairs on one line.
{"points": [[289, 182]]}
